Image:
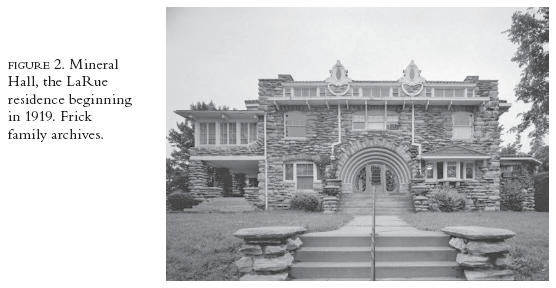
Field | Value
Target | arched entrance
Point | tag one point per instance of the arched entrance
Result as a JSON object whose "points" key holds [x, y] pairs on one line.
{"points": [[375, 167]]}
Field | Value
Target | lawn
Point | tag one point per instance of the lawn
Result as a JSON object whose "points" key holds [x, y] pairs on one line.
{"points": [[529, 246], [202, 246]]}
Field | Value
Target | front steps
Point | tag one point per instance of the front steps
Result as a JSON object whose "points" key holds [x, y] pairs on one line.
{"points": [[410, 256], [386, 203], [228, 204]]}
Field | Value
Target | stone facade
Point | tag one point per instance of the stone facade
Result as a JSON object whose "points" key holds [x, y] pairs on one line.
{"points": [[433, 129]]}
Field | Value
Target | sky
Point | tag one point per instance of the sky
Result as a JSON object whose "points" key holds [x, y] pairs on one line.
{"points": [[219, 54]]}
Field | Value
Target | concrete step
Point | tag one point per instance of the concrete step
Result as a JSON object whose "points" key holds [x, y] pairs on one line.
{"points": [[383, 269], [385, 279], [362, 254], [379, 211], [378, 205], [378, 195], [430, 239]]}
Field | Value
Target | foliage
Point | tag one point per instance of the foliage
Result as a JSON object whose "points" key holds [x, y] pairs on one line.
{"points": [[511, 196], [448, 199], [512, 148], [530, 32], [542, 155], [541, 191], [304, 201], [203, 247], [178, 201], [331, 192], [176, 177], [321, 166], [529, 247]]}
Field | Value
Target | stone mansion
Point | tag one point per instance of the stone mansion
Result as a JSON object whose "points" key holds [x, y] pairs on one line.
{"points": [[394, 137]]}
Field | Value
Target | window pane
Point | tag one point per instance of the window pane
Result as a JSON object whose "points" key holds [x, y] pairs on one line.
{"points": [[305, 182], [203, 127], [396, 92], [366, 92], [252, 132], [297, 92], [393, 118], [376, 92], [322, 91], [313, 92], [212, 133], [440, 170], [438, 92], [223, 133], [305, 92], [295, 131], [359, 125], [462, 132], [243, 131], [232, 132], [289, 172], [459, 93], [469, 170], [428, 92], [300, 169], [375, 126], [429, 170], [449, 93], [451, 169], [358, 118], [385, 92], [460, 170], [470, 92]]}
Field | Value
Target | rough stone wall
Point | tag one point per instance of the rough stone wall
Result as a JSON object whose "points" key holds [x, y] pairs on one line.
{"points": [[433, 129]]}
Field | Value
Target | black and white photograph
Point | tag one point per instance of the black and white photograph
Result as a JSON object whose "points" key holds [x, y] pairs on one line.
{"points": [[362, 144]]}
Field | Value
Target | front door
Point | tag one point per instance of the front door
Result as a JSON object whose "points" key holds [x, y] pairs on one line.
{"points": [[376, 176]]}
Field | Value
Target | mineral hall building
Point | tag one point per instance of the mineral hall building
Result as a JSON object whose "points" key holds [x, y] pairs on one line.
{"points": [[401, 138]]}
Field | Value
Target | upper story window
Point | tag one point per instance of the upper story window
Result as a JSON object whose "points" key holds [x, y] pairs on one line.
{"points": [[295, 124], [305, 92], [211, 133], [376, 92], [462, 125], [376, 120]]}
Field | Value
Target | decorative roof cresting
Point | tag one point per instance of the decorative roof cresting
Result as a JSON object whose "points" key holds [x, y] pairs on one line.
{"points": [[412, 82], [338, 82]]}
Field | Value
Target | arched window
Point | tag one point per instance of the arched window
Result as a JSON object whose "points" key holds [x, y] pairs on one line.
{"points": [[462, 125], [295, 124], [376, 120]]}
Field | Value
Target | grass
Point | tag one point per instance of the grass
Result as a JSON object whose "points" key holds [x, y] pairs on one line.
{"points": [[202, 246], [529, 246]]}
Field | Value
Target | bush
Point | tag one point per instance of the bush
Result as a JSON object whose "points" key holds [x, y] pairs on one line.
{"points": [[541, 191], [178, 201], [304, 201], [449, 200], [511, 197]]}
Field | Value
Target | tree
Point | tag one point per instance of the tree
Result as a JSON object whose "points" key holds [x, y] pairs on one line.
{"points": [[182, 139], [540, 152], [530, 31]]}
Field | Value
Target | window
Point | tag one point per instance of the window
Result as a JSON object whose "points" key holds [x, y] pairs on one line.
{"points": [[322, 91], [448, 92], [376, 120], [462, 125], [224, 133], [358, 122], [294, 123], [203, 127], [232, 129], [454, 170], [428, 92], [376, 92], [303, 174], [470, 92], [211, 133], [355, 92], [288, 92], [244, 131], [252, 132], [396, 92], [305, 92]]}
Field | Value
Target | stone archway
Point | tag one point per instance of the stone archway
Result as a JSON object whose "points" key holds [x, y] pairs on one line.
{"points": [[359, 154]]}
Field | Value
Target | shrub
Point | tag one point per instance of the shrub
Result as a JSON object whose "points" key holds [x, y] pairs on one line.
{"points": [[541, 191], [178, 201], [449, 200], [304, 201], [511, 197]]}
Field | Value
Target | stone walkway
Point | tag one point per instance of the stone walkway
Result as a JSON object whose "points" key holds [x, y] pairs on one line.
{"points": [[385, 225]]}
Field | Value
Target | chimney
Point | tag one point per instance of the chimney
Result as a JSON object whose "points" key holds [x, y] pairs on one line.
{"points": [[286, 77]]}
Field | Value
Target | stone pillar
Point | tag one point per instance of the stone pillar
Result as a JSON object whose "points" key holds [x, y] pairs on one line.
{"points": [[198, 177], [483, 253], [235, 184], [251, 194], [420, 193], [261, 178], [267, 252]]}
